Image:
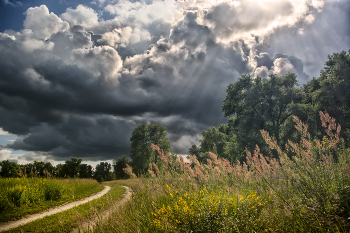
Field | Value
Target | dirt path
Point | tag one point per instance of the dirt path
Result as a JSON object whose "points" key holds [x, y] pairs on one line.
{"points": [[103, 216], [30, 218]]}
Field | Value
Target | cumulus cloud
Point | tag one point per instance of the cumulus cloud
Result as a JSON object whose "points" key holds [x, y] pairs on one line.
{"points": [[43, 23], [4, 154], [124, 36], [82, 15], [282, 66], [139, 12], [2, 132], [102, 61]]}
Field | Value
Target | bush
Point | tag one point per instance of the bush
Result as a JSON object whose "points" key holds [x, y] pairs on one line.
{"points": [[14, 194], [53, 190], [4, 203], [99, 178]]}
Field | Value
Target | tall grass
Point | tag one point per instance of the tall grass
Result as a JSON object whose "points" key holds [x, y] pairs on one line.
{"points": [[305, 190], [25, 195]]}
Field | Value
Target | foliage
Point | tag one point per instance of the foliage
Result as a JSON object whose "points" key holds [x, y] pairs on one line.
{"points": [[119, 166], [205, 211], [260, 104], [332, 90], [102, 171], [9, 169], [141, 152], [221, 141], [70, 168], [86, 171]]}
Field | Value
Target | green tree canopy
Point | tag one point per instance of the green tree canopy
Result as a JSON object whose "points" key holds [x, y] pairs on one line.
{"points": [[333, 94], [103, 170], [70, 168], [118, 168], [86, 171], [141, 139], [221, 141], [9, 169], [259, 104]]}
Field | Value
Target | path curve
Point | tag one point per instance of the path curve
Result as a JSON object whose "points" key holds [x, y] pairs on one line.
{"points": [[13, 224], [89, 224]]}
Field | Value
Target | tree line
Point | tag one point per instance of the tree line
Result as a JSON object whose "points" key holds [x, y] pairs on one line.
{"points": [[70, 169]]}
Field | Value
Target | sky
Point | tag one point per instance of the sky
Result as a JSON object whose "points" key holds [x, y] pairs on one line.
{"points": [[77, 76]]}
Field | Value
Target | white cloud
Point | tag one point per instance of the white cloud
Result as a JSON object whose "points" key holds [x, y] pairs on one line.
{"points": [[29, 45], [125, 36], [101, 61], [234, 20], [42, 23], [3, 132], [281, 66], [261, 71], [82, 15], [166, 11], [4, 154]]}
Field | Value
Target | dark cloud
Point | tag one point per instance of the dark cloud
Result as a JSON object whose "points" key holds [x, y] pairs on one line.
{"points": [[275, 65], [264, 59], [93, 138]]}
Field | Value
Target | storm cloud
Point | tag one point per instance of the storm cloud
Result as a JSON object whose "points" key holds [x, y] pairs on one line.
{"points": [[77, 84]]}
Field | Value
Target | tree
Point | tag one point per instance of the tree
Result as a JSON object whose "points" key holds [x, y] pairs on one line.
{"points": [[195, 150], [141, 139], [86, 171], [261, 104], [38, 168], [214, 140], [70, 168], [333, 95], [9, 169], [118, 168], [49, 168], [102, 170], [221, 141]]}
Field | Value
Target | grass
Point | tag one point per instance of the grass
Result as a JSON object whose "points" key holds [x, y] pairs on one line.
{"points": [[306, 190], [22, 196], [68, 220]]}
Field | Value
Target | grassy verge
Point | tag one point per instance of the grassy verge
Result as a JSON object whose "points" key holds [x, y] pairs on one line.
{"points": [[68, 220], [23, 196]]}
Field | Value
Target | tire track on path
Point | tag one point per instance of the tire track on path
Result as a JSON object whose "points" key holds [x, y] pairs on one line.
{"points": [[89, 224]]}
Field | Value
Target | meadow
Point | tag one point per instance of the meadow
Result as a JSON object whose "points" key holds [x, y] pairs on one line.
{"points": [[305, 189], [21, 196]]}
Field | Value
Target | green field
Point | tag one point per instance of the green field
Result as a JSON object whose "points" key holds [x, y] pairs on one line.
{"points": [[68, 220]]}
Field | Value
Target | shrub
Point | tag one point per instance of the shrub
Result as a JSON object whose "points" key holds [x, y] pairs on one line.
{"points": [[14, 194], [4, 203], [53, 190]]}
